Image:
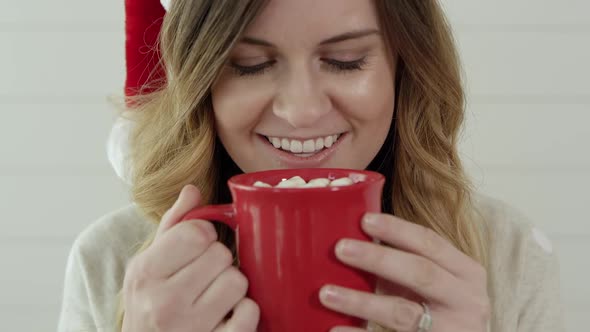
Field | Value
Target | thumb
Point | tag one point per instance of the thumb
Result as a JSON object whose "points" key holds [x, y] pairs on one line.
{"points": [[188, 199]]}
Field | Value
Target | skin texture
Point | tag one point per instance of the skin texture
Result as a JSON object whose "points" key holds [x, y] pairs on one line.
{"points": [[185, 280], [302, 94], [301, 89]]}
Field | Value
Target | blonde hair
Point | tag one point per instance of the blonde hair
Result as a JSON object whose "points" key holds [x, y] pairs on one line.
{"points": [[174, 142]]}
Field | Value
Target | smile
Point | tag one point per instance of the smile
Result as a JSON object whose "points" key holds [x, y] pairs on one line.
{"points": [[308, 146]]}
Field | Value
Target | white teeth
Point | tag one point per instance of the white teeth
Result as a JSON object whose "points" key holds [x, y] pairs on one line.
{"points": [[296, 146], [329, 141], [285, 145], [309, 146], [276, 142], [319, 144]]}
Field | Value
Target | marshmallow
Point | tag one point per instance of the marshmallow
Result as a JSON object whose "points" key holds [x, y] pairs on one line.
{"points": [[287, 184], [317, 183], [262, 184], [342, 182], [298, 182]]}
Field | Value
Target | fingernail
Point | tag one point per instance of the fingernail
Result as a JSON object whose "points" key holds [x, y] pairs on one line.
{"points": [[329, 294], [348, 248], [372, 221]]}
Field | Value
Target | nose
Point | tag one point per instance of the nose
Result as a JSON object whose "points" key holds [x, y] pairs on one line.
{"points": [[300, 100]]}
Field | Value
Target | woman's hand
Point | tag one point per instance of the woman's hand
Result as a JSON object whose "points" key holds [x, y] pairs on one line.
{"points": [[452, 285], [185, 280]]}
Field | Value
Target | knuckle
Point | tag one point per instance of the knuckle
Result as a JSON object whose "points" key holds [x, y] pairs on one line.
{"points": [[252, 307], [222, 253], [155, 309], [162, 311], [404, 314], [235, 281], [379, 258], [137, 275], [483, 308], [481, 274], [480, 279], [431, 242], [424, 273], [208, 228], [194, 233], [252, 310], [142, 297]]}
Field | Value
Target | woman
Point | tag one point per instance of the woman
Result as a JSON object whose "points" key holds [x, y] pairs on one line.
{"points": [[254, 85]]}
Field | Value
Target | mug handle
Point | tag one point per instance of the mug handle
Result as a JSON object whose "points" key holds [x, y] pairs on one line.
{"points": [[225, 213]]}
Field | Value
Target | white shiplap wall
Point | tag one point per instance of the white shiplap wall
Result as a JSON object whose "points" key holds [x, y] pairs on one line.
{"points": [[526, 141], [60, 60]]}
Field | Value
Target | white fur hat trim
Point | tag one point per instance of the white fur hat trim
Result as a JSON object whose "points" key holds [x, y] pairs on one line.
{"points": [[165, 4], [118, 148]]}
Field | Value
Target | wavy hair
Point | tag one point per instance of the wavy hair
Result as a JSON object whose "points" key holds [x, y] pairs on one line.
{"points": [[174, 142]]}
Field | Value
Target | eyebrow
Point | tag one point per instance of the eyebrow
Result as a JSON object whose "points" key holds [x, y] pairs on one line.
{"points": [[332, 40]]}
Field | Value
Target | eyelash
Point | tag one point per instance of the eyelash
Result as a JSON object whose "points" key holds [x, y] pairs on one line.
{"points": [[334, 66]]}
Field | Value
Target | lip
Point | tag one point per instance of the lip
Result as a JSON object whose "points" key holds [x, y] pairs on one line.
{"points": [[292, 161], [299, 138]]}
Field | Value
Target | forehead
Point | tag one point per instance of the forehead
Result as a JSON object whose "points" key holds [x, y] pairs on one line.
{"points": [[292, 21]]}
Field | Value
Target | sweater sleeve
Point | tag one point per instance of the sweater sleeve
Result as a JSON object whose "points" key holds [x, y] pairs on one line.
{"points": [[541, 306], [77, 311], [91, 288], [96, 269]]}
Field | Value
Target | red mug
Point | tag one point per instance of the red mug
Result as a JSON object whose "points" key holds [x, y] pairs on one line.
{"points": [[285, 240]]}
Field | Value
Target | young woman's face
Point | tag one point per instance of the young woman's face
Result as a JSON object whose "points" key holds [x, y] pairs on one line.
{"points": [[311, 84]]}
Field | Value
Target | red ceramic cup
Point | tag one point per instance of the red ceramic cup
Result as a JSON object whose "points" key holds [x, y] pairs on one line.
{"points": [[285, 241]]}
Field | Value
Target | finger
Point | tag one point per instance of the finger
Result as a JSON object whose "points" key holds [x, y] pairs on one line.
{"points": [[197, 276], [422, 241], [405, 269], [220, 327], [388, 311], [177, 248], [219, 299], [188, 199], [347, 329], [245, 317]]}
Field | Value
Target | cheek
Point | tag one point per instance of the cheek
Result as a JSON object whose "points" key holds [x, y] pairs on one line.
{"points": [[237, 104], [369, 97]]}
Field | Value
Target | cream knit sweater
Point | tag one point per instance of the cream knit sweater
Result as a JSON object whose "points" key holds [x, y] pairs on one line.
{"points": [[523, 275]]}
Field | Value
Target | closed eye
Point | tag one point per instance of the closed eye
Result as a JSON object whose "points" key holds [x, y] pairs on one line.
{"points": [[332, 65], [258, 69], [345, 66]]}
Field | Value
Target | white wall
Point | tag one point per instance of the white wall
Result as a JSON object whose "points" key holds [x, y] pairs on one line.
{"points": [[529, 91], [527, 136]]}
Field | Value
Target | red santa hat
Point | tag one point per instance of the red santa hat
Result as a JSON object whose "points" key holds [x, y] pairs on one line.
{"points": [[144, 71], [143, 22]]}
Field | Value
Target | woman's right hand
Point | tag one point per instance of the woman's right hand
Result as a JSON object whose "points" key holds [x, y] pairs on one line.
{"points": [[185, 280]]}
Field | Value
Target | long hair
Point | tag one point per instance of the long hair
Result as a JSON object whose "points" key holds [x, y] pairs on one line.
{"points": [[174, 141]]}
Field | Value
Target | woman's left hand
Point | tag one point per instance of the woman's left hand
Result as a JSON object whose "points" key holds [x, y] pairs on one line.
{"points": [[453, 285]]}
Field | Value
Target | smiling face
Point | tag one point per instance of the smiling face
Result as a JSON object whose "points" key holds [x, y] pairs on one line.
{"points": [[310, 84]]}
